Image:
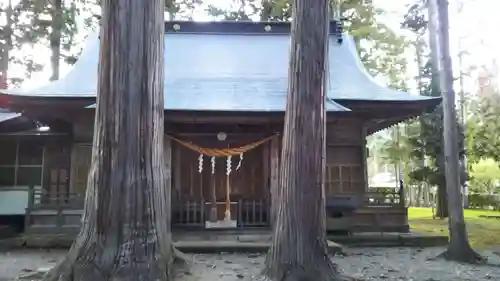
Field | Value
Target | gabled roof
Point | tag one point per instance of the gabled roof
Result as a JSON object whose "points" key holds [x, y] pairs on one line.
{"points": [[230, 68]]}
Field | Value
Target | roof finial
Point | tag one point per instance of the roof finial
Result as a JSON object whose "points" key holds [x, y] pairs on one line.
{"points": [[340, 30], [335, 12]]}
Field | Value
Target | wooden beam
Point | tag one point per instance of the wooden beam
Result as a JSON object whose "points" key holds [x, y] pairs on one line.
{"points": [[364, 156], [228, 128], [223, 117]]}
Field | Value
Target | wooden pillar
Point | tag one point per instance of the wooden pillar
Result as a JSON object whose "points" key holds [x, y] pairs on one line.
{"points": [[176, 166], [227, 213], [274, 182], [213, 209], [364, 156], [73, 168], [266, 168]]}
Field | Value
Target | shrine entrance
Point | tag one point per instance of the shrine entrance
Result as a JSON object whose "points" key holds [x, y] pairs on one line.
{"points": [[224, 186]]}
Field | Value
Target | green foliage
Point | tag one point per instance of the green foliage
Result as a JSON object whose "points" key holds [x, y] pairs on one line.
{"points": [[427, 147], [484, 201], [397, 150], [484, 128], [29, 23], [414, 20], [429, 144], [380, 48], [485, 176]]}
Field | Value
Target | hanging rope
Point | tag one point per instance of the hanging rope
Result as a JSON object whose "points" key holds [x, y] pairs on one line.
{"points": [[239, 163], [219, 152], [228, 166], [200, 163]]}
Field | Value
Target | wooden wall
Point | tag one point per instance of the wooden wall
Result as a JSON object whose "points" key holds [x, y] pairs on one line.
{"points": [[248, 182], [345, 157], [81, 155], [57, 170], [345, 163]]}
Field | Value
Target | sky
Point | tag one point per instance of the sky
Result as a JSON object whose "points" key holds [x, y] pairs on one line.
{"points": [[475, 27], [472, 28]]}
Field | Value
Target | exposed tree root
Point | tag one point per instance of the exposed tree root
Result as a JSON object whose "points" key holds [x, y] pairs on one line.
{"points": [[73, 268], [312, 272], [462, 256], [181, 259]]}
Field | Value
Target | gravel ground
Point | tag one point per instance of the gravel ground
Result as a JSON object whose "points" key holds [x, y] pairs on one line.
{"points": [[366, 263]]}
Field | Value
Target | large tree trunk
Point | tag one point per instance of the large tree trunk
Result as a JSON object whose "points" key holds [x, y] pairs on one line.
{"points": [[459, 248], [299, 245], [126, 222], [55, 37]]}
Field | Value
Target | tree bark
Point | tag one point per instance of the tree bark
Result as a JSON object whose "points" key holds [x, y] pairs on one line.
{"points": [[459, 248], [125, 232], [299, 245], [55, 37]]}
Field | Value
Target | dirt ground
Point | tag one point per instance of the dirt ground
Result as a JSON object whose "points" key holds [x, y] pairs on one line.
{"points": [[366, 263]]}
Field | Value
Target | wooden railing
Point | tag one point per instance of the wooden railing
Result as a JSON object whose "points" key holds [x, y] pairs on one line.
{"points": [[253, 212], [189, 213], [387, 199], [194, 213], [41, 199], [383, 199]]}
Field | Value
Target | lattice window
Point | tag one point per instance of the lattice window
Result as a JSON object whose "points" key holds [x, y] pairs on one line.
{"points": [[344, 179], [21, 163]]}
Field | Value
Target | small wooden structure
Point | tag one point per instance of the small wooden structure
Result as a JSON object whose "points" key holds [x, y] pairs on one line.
{"points": [[225, 96]]}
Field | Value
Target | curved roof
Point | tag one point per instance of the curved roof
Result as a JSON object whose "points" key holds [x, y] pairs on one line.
{"points": [[231, 72], [6, 115]]}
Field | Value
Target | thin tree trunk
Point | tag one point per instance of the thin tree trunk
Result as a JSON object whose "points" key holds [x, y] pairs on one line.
{"points": [[299, 245], [55, 37], [419, 44], [6, 46], [442, 198], [171, 8], [265, 13], [442, 201], [459, 248], [126, 222]]}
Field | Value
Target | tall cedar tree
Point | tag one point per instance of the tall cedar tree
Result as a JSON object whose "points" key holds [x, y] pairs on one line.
{"points": [[55, 37], [459, 248], [442, 196], [125, 233], [299, 245]]}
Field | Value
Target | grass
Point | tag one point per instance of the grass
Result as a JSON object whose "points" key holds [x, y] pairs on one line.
{"points": [[483, 233]]}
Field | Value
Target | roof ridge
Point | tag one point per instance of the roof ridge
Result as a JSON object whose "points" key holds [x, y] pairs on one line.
{"points": [[239, 27]]}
